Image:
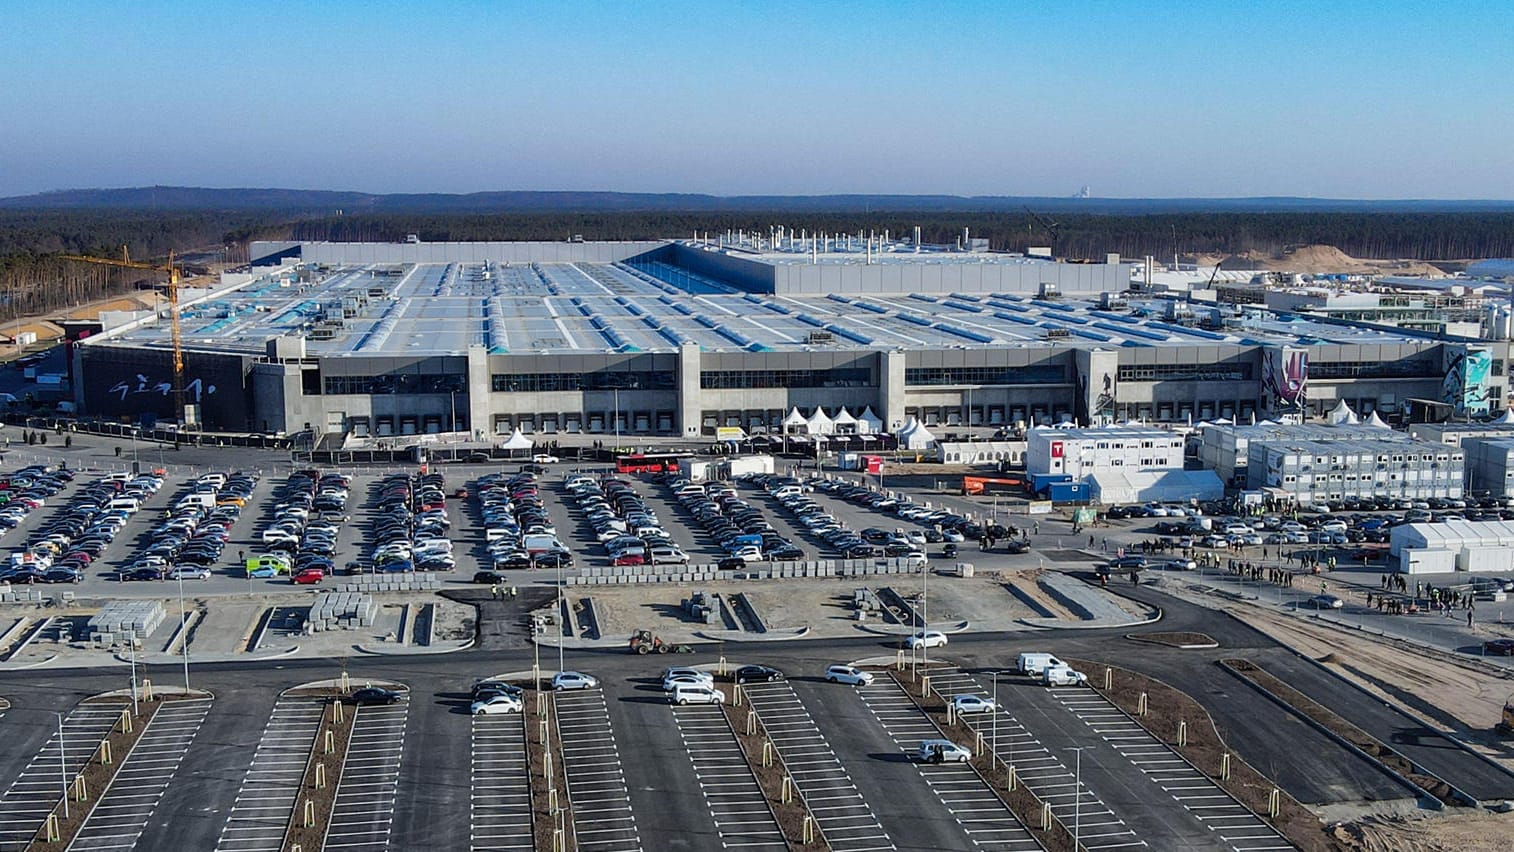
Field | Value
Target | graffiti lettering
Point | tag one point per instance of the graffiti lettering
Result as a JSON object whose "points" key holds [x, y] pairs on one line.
{"points": [[195, 390]]}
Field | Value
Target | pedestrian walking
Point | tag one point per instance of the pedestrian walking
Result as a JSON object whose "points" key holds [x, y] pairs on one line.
{"points": [[1469, 618]]}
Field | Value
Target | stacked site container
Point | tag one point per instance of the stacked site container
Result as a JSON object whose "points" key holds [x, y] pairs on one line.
{"points": [[1490, 466], [1319, 471]]}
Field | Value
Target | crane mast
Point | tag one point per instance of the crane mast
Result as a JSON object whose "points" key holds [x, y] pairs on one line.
{"points": [[175, 332]]}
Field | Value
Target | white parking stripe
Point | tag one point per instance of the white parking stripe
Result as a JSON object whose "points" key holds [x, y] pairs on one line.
{"points": [[731, 792], [260, 814], [37, 789], [363, 811], [501, 785], [596, 783]]}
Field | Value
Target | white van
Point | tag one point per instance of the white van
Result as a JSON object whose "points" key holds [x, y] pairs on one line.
{"points": [[129, 504], [1035, 663], [1062, 675], [689, 693], [201, 499], [668, 556], [542, 543]]}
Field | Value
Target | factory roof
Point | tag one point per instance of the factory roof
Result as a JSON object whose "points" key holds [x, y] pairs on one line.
{"points": [[1374, 445], [1270, 431], [1103, 433], [558, 308]]}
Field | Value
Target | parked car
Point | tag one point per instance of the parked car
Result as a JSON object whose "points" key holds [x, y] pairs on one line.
{"points": [[563, 681], [375, 695], [498, 702], [1499, 647], [972, 704], [1326, 602], [942, 751], [925, 639], [848, 674], [757, 674], [189, 572]]}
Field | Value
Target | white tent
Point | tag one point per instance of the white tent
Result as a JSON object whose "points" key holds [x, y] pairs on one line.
{"points": [[1507, 418], [846, 424], [869, 423], [819, 423], [794, 420], [916, 438], [1342, 414], [517, 441], [1374, 420]]}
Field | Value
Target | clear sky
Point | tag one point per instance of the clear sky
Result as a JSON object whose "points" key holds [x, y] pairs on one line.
{"points": [[1329, 98]]}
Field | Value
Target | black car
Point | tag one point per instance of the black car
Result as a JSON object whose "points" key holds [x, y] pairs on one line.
{"points": [[61, 575], [757, 674], [1128, 563], [374, 695], [1018, 545], [554, 560], [143, 574], [488, 578], [731, 563]]}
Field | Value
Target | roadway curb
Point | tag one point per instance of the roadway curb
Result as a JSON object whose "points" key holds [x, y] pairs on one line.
{"points": [[906, 630], [800, 633], [411, 650]]}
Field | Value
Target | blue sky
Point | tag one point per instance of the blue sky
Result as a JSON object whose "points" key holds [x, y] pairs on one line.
{"points": [[1340, 99]]}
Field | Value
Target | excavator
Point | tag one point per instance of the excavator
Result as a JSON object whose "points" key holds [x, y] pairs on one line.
{"points": [[172, 289], [643, 642]]}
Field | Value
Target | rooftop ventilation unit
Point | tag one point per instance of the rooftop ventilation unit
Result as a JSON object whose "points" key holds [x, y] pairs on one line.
{"points": [[820, 338]]}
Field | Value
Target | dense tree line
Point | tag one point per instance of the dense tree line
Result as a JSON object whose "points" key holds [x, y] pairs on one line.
{"points": [[1420, 236]]}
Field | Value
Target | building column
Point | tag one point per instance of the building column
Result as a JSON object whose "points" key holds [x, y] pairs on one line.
{"points": [[1098, 384], [690, 394], [891, 390], [479, 384]]}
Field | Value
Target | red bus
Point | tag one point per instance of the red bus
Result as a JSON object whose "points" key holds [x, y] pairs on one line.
{"points": [[649, 462]]}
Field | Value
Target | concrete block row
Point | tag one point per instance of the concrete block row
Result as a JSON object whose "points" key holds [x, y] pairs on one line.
{"points": [[122, 619], [342, 611]]}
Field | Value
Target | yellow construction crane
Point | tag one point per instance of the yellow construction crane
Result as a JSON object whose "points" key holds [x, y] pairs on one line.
{"points": [[173, 310]]}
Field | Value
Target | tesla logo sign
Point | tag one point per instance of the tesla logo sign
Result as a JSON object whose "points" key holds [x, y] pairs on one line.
{"points": [[1056, 449]]}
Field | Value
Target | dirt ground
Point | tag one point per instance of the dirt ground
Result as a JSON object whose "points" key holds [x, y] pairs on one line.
{"points": [[1457, 698], [824, 606], [1320, 258]]}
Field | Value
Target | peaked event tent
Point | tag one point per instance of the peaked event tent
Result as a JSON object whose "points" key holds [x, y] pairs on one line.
{"points": [[868, 422], [1342, 414], [1374, 420], [517, 441], [914, 436], [846, 424], [794, 420], [820, 424]]}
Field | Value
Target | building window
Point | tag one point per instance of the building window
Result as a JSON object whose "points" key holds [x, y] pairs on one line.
{"points": [[396, 384], [841, 377], [1408, 368], [1038, 374], [1229, 372], [601, 380]]}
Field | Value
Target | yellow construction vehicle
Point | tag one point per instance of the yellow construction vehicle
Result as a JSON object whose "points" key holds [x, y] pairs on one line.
{"points": [[172, 290]]}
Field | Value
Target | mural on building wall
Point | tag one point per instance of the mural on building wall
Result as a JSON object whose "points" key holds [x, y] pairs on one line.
{"points": [[1285, 379], [1098, 400], [1466, 384]]}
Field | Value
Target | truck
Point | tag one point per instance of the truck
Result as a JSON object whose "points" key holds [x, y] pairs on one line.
{"points": [[1062, 675], [1034, 663]]}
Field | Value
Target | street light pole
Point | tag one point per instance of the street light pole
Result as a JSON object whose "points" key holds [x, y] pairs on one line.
{"points": [[561, 609], [62, 764], [616, 415], [183, 632]]}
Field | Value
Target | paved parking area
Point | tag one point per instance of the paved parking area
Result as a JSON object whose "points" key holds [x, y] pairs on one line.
{"points": [[36, 790], [500, 798], [1071, 800], [602, 817], [122, 813], [987, 821], [260, 815], [847, 821], [364, 807], [1236, 827], [735, 800]]}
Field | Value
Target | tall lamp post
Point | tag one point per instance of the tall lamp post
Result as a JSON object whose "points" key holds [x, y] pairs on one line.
{"points": [[1077, 796], [62, 764], [183, 631]]}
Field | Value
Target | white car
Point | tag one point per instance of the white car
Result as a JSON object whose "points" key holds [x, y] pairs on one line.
{"points": [[543, 458], [498, 703], [953, 536], [848, 674], [687, 671], [925, 639], [671, 683], [573, 680], [942, 751], [972, 704], [189, 572]]}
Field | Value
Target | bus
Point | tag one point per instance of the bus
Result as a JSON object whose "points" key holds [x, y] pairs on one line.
{"points": [[649, 462]]}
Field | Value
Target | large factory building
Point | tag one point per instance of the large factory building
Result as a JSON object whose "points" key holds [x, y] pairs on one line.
{"points": [[679, 337]]}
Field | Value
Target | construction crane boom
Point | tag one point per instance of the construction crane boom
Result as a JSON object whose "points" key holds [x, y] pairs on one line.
{"points": [[173, 312]]}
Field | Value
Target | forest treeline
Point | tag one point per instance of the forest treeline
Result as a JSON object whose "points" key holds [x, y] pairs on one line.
{"points": [[34, 280]]}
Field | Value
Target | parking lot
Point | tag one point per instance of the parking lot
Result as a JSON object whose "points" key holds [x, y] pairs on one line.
{"points": [[260, 813], [366, 794], [124, 810], [985, 819], [842, 813], [1230, 823], [603, 820], [35, 790], [735, 801], [500, 795]]}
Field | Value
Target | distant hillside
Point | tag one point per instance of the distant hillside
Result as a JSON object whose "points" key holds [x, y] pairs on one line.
{"points": [[178, 198]]}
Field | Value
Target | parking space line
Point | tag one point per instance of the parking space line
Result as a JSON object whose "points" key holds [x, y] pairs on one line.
{"points": [[735, 800], [1054, 784], [363, 811], [260, 813], [34, 793], [988, 822], [598, 796], [851, 827], [1242, 831], [121, 815], [500, 802]]}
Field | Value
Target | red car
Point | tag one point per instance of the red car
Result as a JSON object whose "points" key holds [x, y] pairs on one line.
{"points": [[629, 559], [308, 577]]}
